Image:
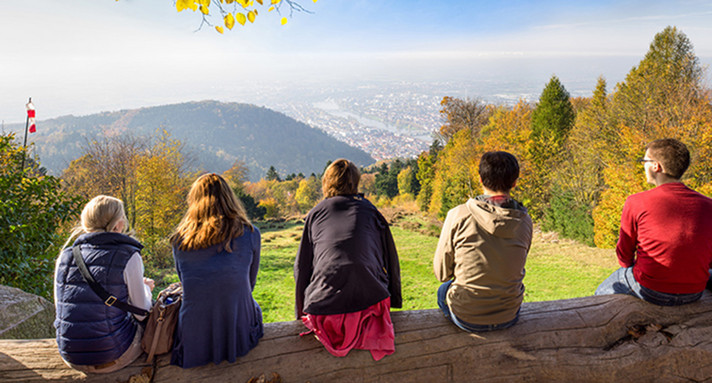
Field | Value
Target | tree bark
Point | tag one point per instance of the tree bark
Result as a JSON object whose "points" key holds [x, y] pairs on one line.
{"points": [[591, 339]]}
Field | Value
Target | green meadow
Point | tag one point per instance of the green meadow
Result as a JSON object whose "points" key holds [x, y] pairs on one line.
{"points": [[556, 268]]}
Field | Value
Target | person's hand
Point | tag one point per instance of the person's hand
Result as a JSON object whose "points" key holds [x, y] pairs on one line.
{"points": [[149, 282]]}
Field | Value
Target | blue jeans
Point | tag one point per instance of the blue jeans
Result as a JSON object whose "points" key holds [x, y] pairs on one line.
{"points": [[623, 282], [469, 327]]}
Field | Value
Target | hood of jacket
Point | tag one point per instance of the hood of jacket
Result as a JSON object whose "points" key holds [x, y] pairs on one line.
{"points": [[498, 221]]}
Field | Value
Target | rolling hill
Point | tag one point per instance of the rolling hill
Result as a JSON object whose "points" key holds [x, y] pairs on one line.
{"points": [[215, 134]]}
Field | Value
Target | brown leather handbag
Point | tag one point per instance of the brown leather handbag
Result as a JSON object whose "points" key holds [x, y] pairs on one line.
{"points": [[161, 325]]}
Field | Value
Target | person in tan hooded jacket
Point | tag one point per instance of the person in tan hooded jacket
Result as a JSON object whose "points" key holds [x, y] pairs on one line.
{"points": [[482, 250]]}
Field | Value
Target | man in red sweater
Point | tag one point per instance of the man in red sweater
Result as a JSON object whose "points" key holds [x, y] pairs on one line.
{"points": [[665, 241]]}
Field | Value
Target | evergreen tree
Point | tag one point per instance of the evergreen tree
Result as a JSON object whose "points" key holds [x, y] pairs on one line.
{"points": [[552, 119], [387, 179], [577, 184], [254, 212], [272, 174]]}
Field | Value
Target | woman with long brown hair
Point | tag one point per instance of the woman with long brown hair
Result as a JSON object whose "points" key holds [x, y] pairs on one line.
{"points": [[347, 272], [217, 255]]}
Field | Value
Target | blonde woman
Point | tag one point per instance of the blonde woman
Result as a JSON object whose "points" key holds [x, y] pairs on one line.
{"points": [[91, 335], [217, 255], [346, 271]]}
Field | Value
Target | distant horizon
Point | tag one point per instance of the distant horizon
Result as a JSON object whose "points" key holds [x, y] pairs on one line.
{"points": [[127, 54], [613, 71]]}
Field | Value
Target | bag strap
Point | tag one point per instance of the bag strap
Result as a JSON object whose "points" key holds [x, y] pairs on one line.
{"points": [[156, 334], [105, 296]]}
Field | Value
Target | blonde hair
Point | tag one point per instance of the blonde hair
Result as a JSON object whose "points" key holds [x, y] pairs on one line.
{"points": [[214, 215], [340, 178], [102, 213]]}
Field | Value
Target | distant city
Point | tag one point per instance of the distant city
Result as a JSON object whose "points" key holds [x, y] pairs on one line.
{"points": [[385, 119], [395, 119]]}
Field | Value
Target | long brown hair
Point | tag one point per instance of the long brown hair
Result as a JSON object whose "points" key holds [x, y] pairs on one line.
{"points": [[214, 216]]}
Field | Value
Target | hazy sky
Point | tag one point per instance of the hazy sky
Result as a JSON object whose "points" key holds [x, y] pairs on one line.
{"points": [[86, 56]]}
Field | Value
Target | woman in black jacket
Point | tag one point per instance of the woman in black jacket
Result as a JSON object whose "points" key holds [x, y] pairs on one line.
{"points": [[346, 271]]}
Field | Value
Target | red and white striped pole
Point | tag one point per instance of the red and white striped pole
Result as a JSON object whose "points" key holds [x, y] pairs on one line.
{"points": [[29, 123]]}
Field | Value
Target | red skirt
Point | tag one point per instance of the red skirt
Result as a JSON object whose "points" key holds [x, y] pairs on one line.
{"points": [[370, 329]]}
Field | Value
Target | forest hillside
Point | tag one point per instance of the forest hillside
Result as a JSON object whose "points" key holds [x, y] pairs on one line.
{"points": [[214, 134]]}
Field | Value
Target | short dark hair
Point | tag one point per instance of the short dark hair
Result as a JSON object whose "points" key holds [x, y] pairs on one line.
{"points": [[672, 154], [499, 171], [340, 178]]}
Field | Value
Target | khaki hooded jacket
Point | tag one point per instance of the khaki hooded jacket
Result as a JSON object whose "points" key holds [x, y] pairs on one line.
{"points": [[484, 248]]}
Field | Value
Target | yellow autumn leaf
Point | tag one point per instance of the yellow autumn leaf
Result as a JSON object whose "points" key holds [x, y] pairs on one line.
{"points": [[205, 3], [240, 17], [229, 1], [284, 19], [276, 1], [259, 1], [251, 16], [229, 21], [270, 9], [219, 28], [186, 4], [204, 9], [315, 1], [256, 13], [250, 3]]}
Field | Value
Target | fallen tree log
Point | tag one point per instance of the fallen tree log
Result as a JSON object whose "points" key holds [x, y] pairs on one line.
{"points": [[592, 339]]}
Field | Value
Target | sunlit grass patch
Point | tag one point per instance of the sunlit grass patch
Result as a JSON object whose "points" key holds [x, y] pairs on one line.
{"points": [[556, 268]]}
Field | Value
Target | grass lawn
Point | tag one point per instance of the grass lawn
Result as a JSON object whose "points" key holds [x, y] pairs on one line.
{"points": [[556, 268]]}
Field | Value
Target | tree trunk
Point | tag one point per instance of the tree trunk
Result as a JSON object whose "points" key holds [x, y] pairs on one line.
{"points": [[592, 339]]}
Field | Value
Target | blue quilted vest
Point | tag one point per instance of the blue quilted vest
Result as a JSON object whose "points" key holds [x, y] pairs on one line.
{"points": [[88, 331]]}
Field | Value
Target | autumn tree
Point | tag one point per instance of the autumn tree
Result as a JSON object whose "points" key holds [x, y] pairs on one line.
{"points": [[664, 96], [276, 197], [308, 193], [237, 175], [426, 174], [367, 185], [456, 178], [162, 183], [461, 114], [271, 207], [509, 129], [284, 193], [408, 181], [107, 166], [149, 174]]}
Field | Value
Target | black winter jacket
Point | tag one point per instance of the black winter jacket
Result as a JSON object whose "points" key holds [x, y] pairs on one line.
{"points": [[347, 260]]}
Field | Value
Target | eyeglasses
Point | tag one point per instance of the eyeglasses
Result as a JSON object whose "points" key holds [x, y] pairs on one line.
{"points": [[644, 160]]}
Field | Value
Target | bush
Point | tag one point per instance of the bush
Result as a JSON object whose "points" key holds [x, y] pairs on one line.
{"points": [[33, 209], [568, 218]]}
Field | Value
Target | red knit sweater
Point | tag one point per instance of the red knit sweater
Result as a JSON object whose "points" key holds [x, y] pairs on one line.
{"points": [[666, 235]]}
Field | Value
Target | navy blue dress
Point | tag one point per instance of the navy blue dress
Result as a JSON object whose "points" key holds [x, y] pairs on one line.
{"points": [[219, 320]]}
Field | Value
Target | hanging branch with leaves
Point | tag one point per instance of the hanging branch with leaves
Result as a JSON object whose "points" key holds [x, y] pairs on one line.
{"points": [[238, 11]]}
